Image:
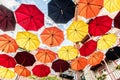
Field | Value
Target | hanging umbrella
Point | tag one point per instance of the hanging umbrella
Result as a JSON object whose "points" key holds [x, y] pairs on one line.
{"points": [[22, 71], [45, 55], [88, 48], [29, 17], [95, 58], [77, 31], [61, 11], [7, 44], [7, 61], [5, 73], [113, 53], [112, 5], [79, 63], [89, 8], [117, 20], [67, 53], [106, 41], [7, 19], [41, 70], [60, 65], [27, 40], [25, 58], [100, 25], [52, 36]]}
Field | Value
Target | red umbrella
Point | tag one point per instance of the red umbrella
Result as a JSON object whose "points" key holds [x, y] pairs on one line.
{"points": [[88, 48], [100, 25], [60, 65], [7, 19], [29, 17], [7, 61], [41, 70], [25, 58], [117, 20]]}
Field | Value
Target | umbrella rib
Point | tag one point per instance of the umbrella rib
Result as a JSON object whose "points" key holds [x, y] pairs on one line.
{"points": [[92, 10], [82, 9]]}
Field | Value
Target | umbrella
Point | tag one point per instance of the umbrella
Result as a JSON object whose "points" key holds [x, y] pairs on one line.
{"points": [[89, 8], [7, 44], [113, 53], [41, 70], [25, 58], [22, 71], [95, 58], [7, 19], [60, 65], [79, 63], [106, 41], [61, 11], [77, 31], [117, 20], [45, 55], [7, 61], [88, 48], [112, 5], [67, 52], [52, 36], [29, 17], [27, 40], [100, 25], [5, 73]]}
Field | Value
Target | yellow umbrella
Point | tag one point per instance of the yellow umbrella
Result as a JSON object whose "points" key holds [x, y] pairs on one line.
{"points": [[106, 41], [67, 53], [77, 31], [6, 73], [112, 5], [27, 40]]}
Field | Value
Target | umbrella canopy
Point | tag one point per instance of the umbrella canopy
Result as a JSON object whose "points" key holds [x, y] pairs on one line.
{"points": [[27, 40], [7, 44], [52, 36], [22, 71], [117, 20], [29, 17], [61, 11], [79, 63], [100, 25], [5, 73], [88, 48], [112, 5], [106, 41], [95, 58], [67, 52], [113, 53], [45, 55], [77, 31], [60, 65], [25, 58], [7, 61], [7, 19], [89, 8], [41, 70]]}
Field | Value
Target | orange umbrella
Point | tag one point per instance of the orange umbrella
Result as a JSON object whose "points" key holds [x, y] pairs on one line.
{"points": [[52, 36], [7, 44], [22, 71], [95, 58], [79, 63], [45, 55], [89, 8]]}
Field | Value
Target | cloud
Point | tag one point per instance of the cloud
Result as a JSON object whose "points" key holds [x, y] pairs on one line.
{"points": [[11, 4]]}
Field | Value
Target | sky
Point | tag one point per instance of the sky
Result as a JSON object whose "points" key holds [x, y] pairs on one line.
{"points": [[42, 5]]}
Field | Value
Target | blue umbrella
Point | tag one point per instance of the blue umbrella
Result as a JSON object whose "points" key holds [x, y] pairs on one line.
{"points": [[61, 11]]}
